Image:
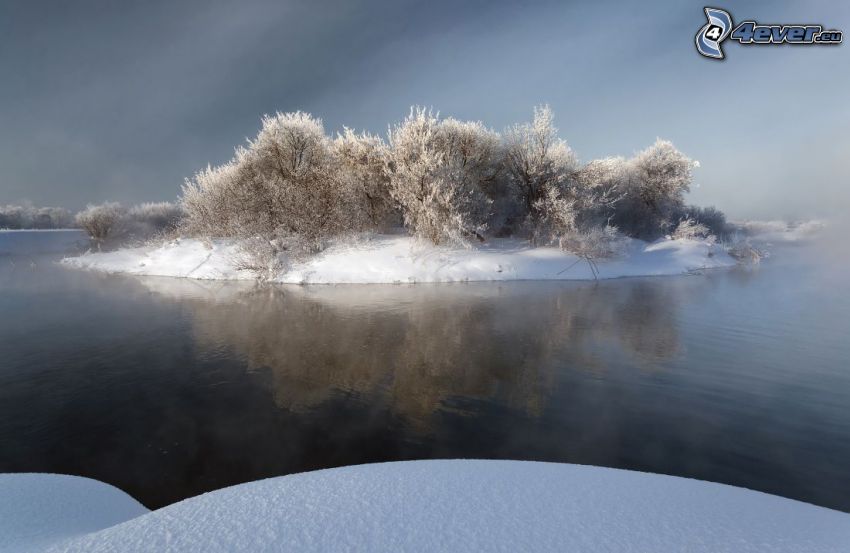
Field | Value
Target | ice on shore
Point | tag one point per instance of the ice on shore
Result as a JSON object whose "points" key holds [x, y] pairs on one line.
{"points": [[403, 259], [460, 505]]}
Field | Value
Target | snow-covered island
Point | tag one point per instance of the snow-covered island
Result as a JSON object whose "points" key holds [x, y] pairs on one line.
{"points": [[427, 506], [440, 200], [403, 259]]}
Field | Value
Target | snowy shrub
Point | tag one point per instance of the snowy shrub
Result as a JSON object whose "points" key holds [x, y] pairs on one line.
{"points": [[212, 201], [558, 224], [30, 217], [595, 243], [536, 161], [599, 185], [446, 180], [360, 165], [156, 216], [744, 252], [710, 217], [103, 221], [653, 191], [283, 184], [439, 172], [12, 217], [556, 216], [688, 229], [291, 170], [260, 256]]}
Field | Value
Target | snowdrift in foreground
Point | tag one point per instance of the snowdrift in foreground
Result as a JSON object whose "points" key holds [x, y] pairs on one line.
{"points": [[430, 506], [37, 510], [397, 259]]}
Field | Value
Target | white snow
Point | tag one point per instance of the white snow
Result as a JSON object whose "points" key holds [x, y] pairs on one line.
{"points": [[39, 509], [426, 506], [401, 259]]}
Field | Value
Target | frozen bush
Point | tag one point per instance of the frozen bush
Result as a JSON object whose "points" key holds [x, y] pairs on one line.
{"points": [[260, 256], [710, 217], [150, 218], [103, 221], [30, 217], [439, 171], [653, 191], [597, 187], [595, 243], [283, 183], [360, 165], [291, 171], [558, 224], [744, 252], [212, 201], [688, 229], [556, 216], [537, 161], [446, 180]]}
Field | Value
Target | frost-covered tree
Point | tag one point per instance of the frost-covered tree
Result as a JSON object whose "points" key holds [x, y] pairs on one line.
{"points": [[439, 172], [653, 191], [212, 201], [29, 217], [688, 229], [283, 186], [711, 217], [152, 217], [537, 161], [447, 180], [103, 221], [360, 165]]}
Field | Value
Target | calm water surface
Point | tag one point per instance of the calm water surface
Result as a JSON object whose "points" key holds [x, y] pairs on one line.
{"points": [[168, 388]]}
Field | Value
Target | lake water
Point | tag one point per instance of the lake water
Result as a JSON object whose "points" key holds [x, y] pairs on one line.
{"points": [[168, 388]]}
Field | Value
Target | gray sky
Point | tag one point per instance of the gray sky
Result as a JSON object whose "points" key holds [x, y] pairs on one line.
{"points": [[122, 100]]}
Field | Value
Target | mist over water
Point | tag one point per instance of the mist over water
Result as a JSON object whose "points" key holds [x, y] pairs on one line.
{"points": [[168, 388]]}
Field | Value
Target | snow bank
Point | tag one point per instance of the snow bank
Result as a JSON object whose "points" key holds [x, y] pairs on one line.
{"points": [[39, 509], [460, 506], [397, 259]]}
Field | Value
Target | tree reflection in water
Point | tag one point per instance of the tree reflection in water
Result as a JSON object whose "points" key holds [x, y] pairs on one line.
{"points": [[414, 348]]}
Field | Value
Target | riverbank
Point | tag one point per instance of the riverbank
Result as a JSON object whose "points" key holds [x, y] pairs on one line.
{"points": [[402, 259]]}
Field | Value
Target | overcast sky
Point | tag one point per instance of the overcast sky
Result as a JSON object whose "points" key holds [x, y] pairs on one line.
{"points": [[123, 100]]}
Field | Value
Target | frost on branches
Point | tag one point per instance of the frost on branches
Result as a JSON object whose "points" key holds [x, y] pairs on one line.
{"points": [[447, 181], [29, 217], [439, 173]]}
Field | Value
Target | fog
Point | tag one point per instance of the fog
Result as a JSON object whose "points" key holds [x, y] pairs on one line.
{"points": [[105, 101]]}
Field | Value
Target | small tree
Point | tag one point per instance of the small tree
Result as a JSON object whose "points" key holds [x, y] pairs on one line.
{"points": [[439, 171], [537, 161], [153, 217], [360, 166], [103, 221], [688, 229], [653, 191], [711, 217], [211, 201], [283, 186]]}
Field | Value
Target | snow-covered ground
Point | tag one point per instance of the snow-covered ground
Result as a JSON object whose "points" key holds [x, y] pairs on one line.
{"points": [[422, 506], [402, 259]]}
